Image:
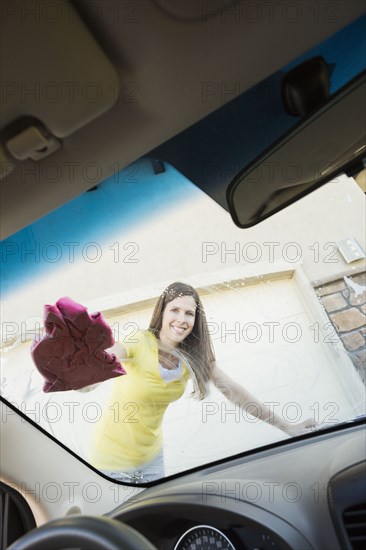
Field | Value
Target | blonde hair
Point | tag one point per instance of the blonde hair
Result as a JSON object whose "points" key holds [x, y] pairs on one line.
{"points": [[196, 349]]}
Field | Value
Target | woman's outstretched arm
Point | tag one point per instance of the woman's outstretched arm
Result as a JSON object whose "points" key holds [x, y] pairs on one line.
{"points": [[119, 351], [238, 395]]}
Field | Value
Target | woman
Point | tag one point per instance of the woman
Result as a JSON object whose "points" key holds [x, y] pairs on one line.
{"points": [[159, 362]]}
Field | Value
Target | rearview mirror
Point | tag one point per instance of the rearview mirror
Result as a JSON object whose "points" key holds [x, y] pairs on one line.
{"points": [[329, 142]]}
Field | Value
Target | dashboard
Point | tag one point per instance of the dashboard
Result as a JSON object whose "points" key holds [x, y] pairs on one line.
{"points": [[300, 504], [309, 493], [185, 524]]}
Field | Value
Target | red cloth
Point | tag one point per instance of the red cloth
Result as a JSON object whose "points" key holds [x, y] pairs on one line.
{"points": [[72, 353]]}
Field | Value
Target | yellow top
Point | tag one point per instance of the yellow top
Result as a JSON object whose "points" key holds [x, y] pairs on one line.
{"points": [[129, 432]]}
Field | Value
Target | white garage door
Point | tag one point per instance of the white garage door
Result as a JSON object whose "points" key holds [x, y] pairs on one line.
{"points": [[267, 339]]}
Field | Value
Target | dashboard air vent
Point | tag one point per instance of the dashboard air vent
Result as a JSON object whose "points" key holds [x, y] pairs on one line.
{"points": [[354, 519]]}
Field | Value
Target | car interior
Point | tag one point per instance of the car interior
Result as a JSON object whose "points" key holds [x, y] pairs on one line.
{"points": [[146, 141]]}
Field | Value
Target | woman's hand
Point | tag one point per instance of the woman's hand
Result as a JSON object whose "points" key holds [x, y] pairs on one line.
{"points": [[300, 428], [87, 389]]}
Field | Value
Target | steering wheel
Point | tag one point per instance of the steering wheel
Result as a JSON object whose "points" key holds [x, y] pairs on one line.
{"points": [[84, 532]]}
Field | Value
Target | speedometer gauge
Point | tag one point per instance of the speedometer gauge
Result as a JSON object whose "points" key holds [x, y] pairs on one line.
{"points": [[203, 537]]}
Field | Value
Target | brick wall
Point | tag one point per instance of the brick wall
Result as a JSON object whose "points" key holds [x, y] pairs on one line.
{"points": [[344, 300]]}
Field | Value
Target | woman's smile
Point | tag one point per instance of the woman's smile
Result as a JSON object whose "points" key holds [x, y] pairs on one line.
{"points": [[178, 330]]}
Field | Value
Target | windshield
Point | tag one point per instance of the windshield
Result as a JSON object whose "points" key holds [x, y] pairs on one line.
{"points": [[263, 340]]}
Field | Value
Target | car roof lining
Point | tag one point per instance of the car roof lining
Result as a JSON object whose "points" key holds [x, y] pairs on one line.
{"points": [[162, 68]]}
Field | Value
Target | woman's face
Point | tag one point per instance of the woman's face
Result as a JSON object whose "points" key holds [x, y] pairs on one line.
{"points": [[178, 320]]}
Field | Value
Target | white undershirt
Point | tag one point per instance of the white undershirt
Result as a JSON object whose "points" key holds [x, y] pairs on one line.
{"points": [[169, 375]]}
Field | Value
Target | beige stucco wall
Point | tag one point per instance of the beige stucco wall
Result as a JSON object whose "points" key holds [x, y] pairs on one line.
{"points": [[197, 238]]}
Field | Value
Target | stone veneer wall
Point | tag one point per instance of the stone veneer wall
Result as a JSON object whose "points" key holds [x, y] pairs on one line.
{"points": [[346, 309]]}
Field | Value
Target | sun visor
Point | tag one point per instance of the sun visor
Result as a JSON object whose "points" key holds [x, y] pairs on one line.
{"points": [[53, 70]]}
